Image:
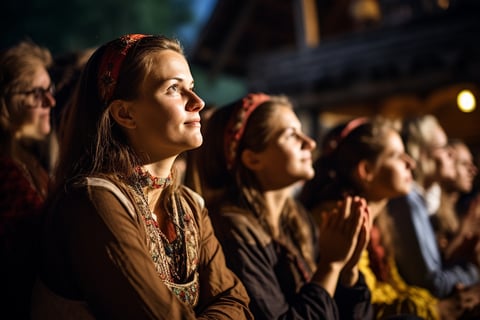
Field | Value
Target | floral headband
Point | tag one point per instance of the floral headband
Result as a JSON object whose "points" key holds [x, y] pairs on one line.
{"points": [[237, 123], [349, 127], [111, 62]]}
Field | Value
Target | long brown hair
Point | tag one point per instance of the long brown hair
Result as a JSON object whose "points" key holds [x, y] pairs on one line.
{"points": [[239, 185], [17, 68], [339, 157], [92, 143], [342, 150]]}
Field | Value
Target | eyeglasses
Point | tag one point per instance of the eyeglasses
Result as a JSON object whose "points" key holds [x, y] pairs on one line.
{"points": [[39, 93]]}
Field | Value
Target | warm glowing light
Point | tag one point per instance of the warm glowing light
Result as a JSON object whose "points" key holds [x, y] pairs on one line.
{"points": [[466, 101], [444, 4]]}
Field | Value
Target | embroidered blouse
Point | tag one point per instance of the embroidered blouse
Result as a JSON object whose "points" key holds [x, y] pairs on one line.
{"points": [[99, 259]]}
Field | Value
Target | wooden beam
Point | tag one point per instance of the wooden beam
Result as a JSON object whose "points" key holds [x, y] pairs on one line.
{"points": [[233, 37], [306, 23]]}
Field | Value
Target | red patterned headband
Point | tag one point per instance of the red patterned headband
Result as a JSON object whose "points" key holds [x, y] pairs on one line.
{"points": [[238, 121], [349, 127], [112, 60]]}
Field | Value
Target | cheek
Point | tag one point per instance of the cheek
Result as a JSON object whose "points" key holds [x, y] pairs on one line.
{"points": [[394, 180], [31, 117]]}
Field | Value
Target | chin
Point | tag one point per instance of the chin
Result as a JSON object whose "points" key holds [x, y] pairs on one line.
{"points": [[307, 175], [45, 130]]}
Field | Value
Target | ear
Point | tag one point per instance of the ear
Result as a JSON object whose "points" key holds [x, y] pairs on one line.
{"points": [[364, 171], [121, 112], [251, 160]]}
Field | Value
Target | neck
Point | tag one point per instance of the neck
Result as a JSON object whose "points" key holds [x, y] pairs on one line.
{"points": [[160, 169], [376, 207], [275, 201]]}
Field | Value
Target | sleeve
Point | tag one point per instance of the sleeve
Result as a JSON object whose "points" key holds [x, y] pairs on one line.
{"points": [[20, 203], [20, 222], [255, 265], [417, 253], [107, 253], [354, 302], [222, 295]]}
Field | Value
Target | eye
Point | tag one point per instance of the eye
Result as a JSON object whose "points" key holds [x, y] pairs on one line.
{"points": [[173, 88]]}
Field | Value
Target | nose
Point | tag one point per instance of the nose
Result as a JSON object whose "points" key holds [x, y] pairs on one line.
{"points": [[195, 103], [308, 143], [473, 170], [48, 100], [409, 161]]}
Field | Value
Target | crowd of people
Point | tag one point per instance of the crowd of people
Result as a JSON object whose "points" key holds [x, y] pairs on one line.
{"points": [[99, 220]]}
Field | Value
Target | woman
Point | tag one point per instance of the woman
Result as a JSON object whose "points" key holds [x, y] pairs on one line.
{"points": [[457, 229], [26, 100], [417, 253], [122, 240], [268, 238], [366, 157]]}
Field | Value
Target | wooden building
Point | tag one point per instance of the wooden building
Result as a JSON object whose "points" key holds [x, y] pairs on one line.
{"points": [[342, 58]]}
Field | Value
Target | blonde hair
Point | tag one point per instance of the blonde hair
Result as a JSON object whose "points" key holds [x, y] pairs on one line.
{"points": [[418, 134]]}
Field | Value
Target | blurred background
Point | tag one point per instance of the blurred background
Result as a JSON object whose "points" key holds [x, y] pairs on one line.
{"points": [[336, 59]]}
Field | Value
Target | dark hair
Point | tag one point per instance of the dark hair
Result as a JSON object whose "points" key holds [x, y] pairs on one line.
{"points": [[92, 142], [339, 158], [257, 133], [239, 185]]}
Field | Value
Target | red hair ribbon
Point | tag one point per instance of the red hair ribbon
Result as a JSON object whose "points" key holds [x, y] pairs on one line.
{"points": [[112, 60], [238, 121], [349, 127]]}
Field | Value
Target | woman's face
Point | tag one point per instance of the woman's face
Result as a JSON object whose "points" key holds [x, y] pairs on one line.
{"points": [[287, 158], [465, 168], [36, 102], [441, 154], [392, 173], [166, 113]]}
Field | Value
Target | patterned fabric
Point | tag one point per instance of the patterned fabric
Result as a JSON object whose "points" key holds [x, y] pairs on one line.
{"points": [[19, 199], [114, 276], [20, 214], [238, 122], [112, 60], [394, 297], [176, 260]]}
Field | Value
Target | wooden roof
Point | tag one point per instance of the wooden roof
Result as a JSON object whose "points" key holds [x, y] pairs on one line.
{"points": [[414, 66], [237, 30]]}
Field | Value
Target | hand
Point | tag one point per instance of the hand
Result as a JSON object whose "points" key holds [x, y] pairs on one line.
{"points": [[464, 302], [469, 297], [349, 274], [339, 233], [463, 245], [449, 308], [340, 230], [471, 223]]}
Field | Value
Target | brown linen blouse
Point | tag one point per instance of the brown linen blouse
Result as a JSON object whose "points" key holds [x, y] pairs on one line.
{"points": [[95, 263]]}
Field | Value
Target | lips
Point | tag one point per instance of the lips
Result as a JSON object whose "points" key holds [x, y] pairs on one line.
{"points": [[195, 122]]}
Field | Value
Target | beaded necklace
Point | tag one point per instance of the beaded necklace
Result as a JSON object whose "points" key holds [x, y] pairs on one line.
{"points": [[149, 180]]}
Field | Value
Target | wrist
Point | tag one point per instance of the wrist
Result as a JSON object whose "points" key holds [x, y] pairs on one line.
{"points": [[349, 277]]}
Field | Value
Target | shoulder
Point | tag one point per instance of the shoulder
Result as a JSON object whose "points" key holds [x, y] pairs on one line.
{"points": [[11, 171], [103, 194], [192, 197], [234, 223]]}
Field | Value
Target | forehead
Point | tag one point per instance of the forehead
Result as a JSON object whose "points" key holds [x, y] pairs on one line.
{"points": [[283, 116], [461, 151], [166, 64], [436, 137], [392, 140]]}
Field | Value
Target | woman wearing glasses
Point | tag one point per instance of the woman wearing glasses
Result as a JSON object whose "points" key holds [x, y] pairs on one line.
{"points": [[26, 99]]}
